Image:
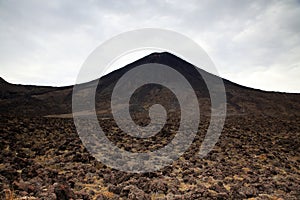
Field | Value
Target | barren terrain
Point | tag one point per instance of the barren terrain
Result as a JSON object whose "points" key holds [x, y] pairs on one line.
{"points": [[256, 157]]}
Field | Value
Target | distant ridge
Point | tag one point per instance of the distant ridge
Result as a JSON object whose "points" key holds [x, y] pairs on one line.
{"points": [[2, 81]]}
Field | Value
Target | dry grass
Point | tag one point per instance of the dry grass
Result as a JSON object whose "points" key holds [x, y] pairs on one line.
{"points": [[98, 188], [9, 195]]}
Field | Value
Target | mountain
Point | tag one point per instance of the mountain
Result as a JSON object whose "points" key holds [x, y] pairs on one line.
{"points": [[26, 100]]}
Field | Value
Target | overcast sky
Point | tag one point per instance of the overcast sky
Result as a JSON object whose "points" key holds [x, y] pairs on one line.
{"points": [[253, 43]]}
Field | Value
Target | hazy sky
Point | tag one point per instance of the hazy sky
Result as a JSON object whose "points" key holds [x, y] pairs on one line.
{"points": [[253, 43]]}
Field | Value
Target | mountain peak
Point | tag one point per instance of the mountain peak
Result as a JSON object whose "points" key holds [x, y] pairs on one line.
{"points": [[159, 54], [165, 58], [162, 55]]}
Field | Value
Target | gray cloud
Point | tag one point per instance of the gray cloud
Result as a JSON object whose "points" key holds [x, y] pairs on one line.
{"points": [[253, 43]]}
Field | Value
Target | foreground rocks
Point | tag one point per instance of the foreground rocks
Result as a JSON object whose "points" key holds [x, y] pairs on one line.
{"points": [[255, 158]]}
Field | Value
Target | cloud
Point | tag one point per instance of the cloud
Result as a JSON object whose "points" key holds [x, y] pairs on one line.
{"points": [[253, 43]]}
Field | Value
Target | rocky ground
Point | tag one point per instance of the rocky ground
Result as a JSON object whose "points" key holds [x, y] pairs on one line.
{"points": [[255, 158]]}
